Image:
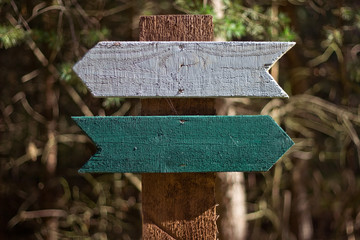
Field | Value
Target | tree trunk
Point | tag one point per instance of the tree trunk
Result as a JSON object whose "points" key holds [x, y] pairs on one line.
{"points": [[230, 189]]}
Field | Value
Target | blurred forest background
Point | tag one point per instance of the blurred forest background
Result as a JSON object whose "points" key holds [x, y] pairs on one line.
{"points": [[312, 193]]}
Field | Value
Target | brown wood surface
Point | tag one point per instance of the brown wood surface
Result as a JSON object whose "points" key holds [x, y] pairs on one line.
{"points": [[178, 205]]}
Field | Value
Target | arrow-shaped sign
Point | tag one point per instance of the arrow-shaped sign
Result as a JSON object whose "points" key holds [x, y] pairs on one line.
{"points": [[182, 69], [184, 143]]}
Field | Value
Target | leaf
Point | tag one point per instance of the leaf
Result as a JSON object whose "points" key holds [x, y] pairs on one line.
{"points": [[67, 75], [287, 35], [11, 36], [112, 102], [91, 37]]}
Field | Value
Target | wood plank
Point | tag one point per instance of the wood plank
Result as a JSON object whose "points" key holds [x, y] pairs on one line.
{"points": [[166, 144], [191, 212], [182, 69]]}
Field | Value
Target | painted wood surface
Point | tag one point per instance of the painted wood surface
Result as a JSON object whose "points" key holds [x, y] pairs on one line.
{"points": [[184, 143], [182, 69]]}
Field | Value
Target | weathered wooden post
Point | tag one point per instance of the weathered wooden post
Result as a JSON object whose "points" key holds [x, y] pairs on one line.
{"points": [[178, 205], [178, 155]]}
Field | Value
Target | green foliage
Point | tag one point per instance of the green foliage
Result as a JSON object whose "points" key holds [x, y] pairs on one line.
{"points": [[346, 13], [11, 36], [52, 39], [112, 102], [68, 75], [194, 7], [240, 21], [287, 34], [91, 37], [354, 71], [233, 28], [254, 22]]}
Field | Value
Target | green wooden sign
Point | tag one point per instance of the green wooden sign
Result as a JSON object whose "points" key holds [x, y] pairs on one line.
{"points": [[184, 143]]}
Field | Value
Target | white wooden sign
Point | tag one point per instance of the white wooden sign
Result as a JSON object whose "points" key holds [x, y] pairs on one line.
{"points": [[182, 69]]}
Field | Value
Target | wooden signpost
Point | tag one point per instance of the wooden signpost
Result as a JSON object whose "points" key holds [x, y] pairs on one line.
{"points": [[182, 69], [177, 155], [184, 143]]}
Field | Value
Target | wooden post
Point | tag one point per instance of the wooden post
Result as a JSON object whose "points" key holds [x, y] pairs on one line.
{"points": [[178, 205]]}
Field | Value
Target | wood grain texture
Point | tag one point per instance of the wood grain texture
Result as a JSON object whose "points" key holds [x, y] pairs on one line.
{"points": [[184, 143], [176, 28], [194, 199], [192, 215], [182, 69], [177, 106]]}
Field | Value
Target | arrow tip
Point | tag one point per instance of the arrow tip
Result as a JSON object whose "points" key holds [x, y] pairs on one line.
{"points": [[285, 144], [283, 47]]}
